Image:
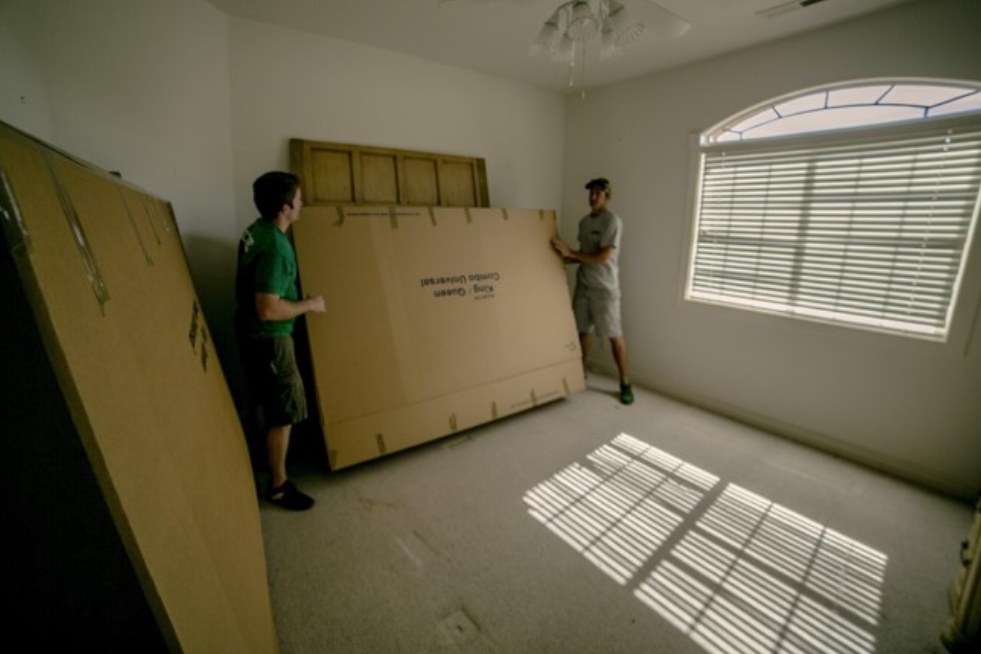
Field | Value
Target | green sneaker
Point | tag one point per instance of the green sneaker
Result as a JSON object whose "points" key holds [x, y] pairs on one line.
{"points": [[626, 393]]}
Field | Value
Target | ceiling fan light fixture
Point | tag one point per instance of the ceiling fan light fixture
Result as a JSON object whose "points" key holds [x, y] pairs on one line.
{"points": [[608, 42], [628, 34], [617, 16], [565, 50], [581, 9], [565, 36], [548, 36], [583, 24]]}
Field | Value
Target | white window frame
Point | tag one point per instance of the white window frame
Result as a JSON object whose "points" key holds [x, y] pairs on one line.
{"points": [[845, 137]]}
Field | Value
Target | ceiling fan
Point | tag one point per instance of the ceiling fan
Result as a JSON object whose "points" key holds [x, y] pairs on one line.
{"points": [[646, 16], [565, 35]]}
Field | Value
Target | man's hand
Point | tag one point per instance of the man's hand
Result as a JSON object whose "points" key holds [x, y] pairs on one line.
{"points": [[316, 304], [269, 306], [559, 246]]}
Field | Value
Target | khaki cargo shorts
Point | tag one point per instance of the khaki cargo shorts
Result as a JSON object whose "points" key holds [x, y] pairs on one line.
{"points": [[275, 383], [599, 310]]}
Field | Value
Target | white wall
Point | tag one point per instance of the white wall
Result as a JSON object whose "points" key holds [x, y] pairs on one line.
{"points": [[192, 106], [909, 407], [138, 87], [23, 88], [288, 84], [141, 88]]}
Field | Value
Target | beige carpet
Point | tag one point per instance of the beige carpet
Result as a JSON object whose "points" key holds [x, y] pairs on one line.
{"points": [[586, 526]]}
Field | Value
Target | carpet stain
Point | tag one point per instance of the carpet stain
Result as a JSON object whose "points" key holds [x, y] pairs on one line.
{"points": [[370, 504], [457, 627]]}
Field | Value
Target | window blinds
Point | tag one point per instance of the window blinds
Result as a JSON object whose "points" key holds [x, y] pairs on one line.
{"points": [[871, 235]]}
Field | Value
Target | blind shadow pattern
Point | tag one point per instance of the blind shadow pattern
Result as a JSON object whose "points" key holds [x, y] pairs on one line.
{"points": [[733, 570]]}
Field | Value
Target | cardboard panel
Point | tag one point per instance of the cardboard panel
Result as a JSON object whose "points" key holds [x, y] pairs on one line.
{"points": [[104, 270], [67, 563], [437, 320]]}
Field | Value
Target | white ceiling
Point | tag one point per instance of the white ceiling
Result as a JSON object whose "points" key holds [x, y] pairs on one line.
{"points": [[493, 36]]}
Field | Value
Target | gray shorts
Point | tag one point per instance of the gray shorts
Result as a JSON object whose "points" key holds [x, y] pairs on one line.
{"points": [[275, 383], [599, 310]]}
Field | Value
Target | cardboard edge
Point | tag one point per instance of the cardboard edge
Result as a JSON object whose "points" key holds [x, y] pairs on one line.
{"points": [[364, 438]]}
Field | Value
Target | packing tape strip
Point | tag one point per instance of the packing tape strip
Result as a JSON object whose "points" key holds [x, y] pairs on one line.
{"points": [[432, 216], [504, 212], [453, 422], [380, 440], [198, 333], [13, 226], [170, 220], [192, 332], [149, 219], [136, 230], [367, 212], [494, 410], [534, 398], [91, 267], [341, 216], [565, 385], [204, 347], [466, 210]]}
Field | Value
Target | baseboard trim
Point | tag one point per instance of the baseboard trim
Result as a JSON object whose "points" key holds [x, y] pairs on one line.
{"points": [[836, 447]]}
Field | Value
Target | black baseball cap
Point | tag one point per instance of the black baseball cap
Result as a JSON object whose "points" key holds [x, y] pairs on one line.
{"points": [[600, 183]]}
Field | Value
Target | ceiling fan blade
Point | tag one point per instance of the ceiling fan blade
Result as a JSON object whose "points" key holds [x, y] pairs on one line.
{"points": [[785, 8], [657, 20], [440, 3]]}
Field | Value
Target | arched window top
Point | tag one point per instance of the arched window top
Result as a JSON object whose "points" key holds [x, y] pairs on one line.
{"points": [[841, 106]]}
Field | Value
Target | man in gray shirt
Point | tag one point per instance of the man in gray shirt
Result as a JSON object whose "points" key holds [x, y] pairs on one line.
{"points": [[596, 302]]}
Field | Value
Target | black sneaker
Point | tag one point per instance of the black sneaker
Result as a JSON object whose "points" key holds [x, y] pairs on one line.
{"points": [[626, 393], [289, 497]]}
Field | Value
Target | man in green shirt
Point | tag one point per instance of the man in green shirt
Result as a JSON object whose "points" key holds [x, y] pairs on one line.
{"points": [[596, 301], [267, 305]]}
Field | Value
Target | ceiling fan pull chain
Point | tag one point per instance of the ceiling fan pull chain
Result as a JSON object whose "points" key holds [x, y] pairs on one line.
{"points": [[572, 67]]}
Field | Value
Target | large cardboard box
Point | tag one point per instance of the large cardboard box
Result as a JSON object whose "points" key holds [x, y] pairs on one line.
{"points": [[438, 319], [131, 522]]}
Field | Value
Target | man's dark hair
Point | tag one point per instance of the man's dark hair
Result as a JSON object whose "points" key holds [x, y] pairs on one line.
{"points": [[273, 190], [600, 184]]}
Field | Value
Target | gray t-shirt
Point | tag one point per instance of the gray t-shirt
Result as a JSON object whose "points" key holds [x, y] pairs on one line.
{"points": [[595, 233]]}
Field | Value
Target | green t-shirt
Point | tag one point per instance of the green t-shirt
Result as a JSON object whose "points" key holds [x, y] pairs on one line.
{"points": [[266, 264]]}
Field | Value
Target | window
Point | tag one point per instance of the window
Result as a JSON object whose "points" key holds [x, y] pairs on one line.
{"points": [[865, 224]]}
